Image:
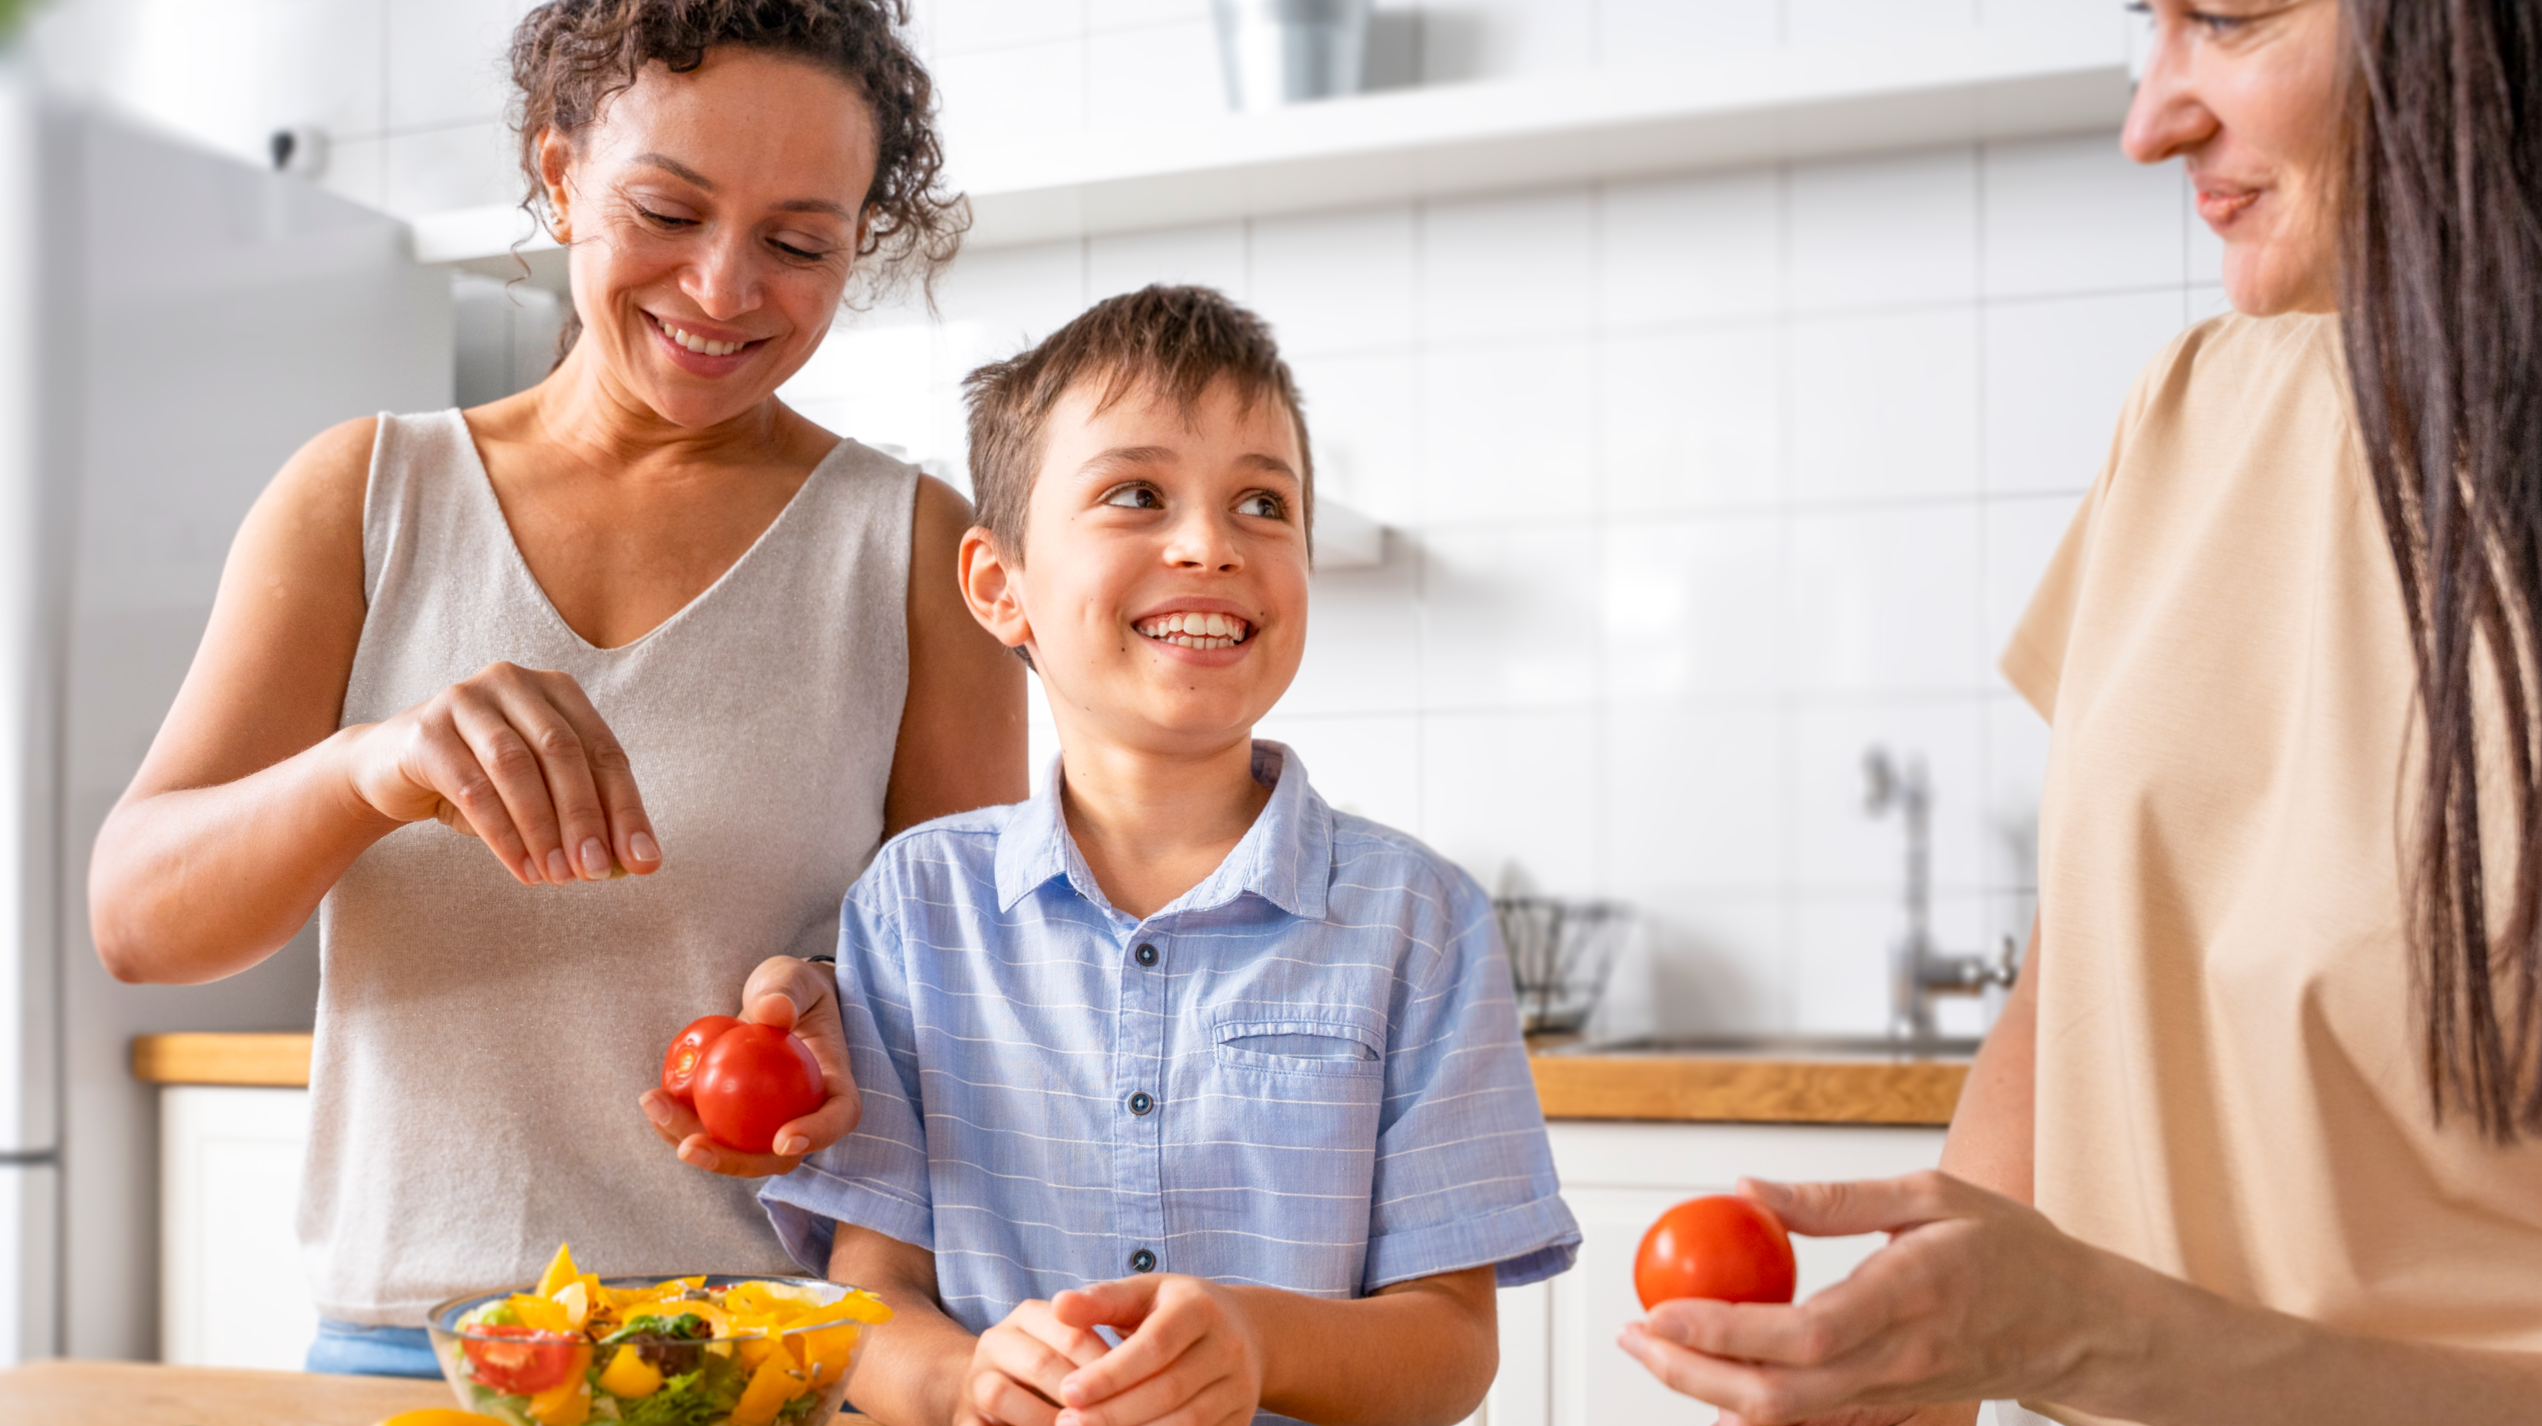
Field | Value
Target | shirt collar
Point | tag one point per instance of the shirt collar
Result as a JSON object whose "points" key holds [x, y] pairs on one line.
{"points": [[1285, 857]]}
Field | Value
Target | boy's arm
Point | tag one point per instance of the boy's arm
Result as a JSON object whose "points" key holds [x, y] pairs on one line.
{"points": [[1217, 1352], [925, 1369]]}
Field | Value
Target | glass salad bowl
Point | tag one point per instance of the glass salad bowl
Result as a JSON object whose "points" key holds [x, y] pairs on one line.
{"points": [[704, 1350]]}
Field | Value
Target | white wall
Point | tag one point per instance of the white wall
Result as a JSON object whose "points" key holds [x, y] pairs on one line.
{"points": [[1703, 484]]}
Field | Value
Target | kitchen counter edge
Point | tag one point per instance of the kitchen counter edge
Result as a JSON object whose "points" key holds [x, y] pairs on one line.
{"points": [[1726, 1089]]}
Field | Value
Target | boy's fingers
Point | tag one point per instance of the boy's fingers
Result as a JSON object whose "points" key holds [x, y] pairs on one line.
{"points": [[1160, 1341], [1025, 1361], [1000, 1399], [774, 1008], [1079, 1346], [1158, 1398], [1123, 1303]]}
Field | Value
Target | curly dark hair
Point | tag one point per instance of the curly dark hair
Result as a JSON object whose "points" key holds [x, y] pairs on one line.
{"points": [[570, 57]]}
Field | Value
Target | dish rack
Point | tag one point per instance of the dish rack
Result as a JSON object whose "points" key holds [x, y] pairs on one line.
{"points": [[1560, 954]]}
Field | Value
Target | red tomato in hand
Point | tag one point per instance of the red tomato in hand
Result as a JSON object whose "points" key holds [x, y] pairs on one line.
{"points": [[521, 1360], [753, 1079], [679, 1064], [1723, 1247]]}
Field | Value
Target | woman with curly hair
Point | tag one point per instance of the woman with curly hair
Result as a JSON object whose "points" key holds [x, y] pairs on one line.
{"points": [[640, 621]]}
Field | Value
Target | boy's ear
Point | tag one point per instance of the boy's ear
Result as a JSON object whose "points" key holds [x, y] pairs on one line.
{"points": [[991, 586]]}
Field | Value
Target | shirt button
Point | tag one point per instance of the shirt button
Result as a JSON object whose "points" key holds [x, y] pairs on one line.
{"points": [[1140, 1103], [1142, 1261], [1147, 955]]}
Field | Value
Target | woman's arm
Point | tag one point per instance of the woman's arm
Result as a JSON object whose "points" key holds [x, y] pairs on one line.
{"points": [[251, 803], [1982, 1297], [962, 729]]}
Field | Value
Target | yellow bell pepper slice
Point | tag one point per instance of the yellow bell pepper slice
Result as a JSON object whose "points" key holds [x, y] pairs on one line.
{"points": [[750, 1352], [576, 1302], [441, 1416], [545, 1314], [826, 1351], [777, 1382], [629, 1376], [560, 1271], [568, 1402]]}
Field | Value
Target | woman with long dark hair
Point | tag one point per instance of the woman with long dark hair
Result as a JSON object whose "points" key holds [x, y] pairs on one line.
{"points": [[2259, 1137]]}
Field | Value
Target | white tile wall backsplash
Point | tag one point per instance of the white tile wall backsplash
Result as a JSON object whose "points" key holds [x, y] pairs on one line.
{"points": [[1508, 432], [1699, 483], [2076, 215], [2051, 366], [1691, 249], [1641, 32], [1340, 281], [1884, 405], [447, 60], [1691, 418], [1152, 73], [1881, 232]]}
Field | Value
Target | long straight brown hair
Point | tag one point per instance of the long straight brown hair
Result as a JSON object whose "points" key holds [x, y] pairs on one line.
{"points": [[2441, 304]]}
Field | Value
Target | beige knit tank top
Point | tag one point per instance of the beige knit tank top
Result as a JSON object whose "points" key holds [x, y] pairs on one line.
{"points": [[481, 1044]]}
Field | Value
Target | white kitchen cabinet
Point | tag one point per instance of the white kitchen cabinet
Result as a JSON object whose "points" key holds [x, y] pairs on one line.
{"points": [[231, 1289], [1559, 1362]]}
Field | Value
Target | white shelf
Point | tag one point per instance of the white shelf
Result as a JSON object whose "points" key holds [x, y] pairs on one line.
{"points": [[1484, 137]]}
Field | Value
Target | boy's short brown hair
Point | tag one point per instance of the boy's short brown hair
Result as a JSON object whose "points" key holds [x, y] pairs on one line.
{"points": [[1177, 340]]}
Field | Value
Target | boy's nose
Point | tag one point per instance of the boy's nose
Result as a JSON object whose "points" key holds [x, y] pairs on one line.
{"points": [[1203, 544]]}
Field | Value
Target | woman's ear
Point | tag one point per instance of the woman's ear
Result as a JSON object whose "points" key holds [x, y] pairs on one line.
{"points": [[994, 588], [555, 159]]}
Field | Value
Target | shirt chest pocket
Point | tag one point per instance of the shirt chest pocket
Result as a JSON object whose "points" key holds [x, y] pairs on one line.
{"points": [[1337, 1044]]}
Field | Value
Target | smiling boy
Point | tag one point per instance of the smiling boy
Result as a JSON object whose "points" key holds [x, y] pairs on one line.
{"points": [[1172, 1049]]}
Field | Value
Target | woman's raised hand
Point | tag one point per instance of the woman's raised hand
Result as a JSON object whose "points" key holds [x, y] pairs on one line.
{"points": [[791, 994], [1975, 1296], [519, 759]]}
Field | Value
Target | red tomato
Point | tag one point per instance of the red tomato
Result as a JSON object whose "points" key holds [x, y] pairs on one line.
{"points": [[1722, 1247], [679, 1063], [522, 1360], [754, 1078]]}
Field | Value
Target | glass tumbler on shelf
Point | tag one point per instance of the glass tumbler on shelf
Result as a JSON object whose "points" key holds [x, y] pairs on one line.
{"points": [[1278, 52], [1560, 954]]}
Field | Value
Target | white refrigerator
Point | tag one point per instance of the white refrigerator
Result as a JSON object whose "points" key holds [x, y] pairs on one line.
{"points": [[178, 323]]}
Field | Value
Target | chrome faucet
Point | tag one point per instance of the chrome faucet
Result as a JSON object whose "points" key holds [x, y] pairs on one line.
{"points": [[1918, 973]]}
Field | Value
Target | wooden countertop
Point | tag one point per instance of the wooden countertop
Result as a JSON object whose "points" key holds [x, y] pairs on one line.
{"points": [[145, 1394], [1675, 1088], [63, 1393]]}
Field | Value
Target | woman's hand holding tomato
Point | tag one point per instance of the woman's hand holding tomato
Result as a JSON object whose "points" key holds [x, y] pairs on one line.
{"points": [[1975, 1297], [785, 994], [519, 759]]}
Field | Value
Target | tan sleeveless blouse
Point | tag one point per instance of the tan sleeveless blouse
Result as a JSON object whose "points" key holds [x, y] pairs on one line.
{"points": [[481, 1044]]}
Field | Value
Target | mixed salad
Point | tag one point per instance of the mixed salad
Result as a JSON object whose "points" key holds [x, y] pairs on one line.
{"points": [[674, 1353]]}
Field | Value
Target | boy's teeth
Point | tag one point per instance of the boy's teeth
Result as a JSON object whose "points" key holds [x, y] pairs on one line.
{"points": [[1197, 631], [698, 344]]}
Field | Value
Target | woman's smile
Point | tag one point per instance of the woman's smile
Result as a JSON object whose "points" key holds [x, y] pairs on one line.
{"points": [[696, 352]]}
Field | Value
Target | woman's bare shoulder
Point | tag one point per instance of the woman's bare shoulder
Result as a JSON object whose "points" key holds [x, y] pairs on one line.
{"points": [[318, 494]]}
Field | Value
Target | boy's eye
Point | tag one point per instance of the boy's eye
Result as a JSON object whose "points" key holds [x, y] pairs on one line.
{"points": [[1134, 497], [1262, 504]]}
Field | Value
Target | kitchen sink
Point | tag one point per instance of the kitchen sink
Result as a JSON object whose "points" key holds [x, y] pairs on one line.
{"points": [[1780, 1047]]}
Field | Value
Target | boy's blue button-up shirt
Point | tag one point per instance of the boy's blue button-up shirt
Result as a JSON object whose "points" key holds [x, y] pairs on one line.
{"points": [[1305, 1073]]}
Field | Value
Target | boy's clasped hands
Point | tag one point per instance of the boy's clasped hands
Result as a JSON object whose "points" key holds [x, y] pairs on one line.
{"points": [[1189, 1353]]}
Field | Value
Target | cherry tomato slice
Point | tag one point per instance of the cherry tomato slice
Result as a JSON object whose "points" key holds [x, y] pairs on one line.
{"points": [[755, 1078], [521, 1360], [1723, 1247], [679, 1063]]}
